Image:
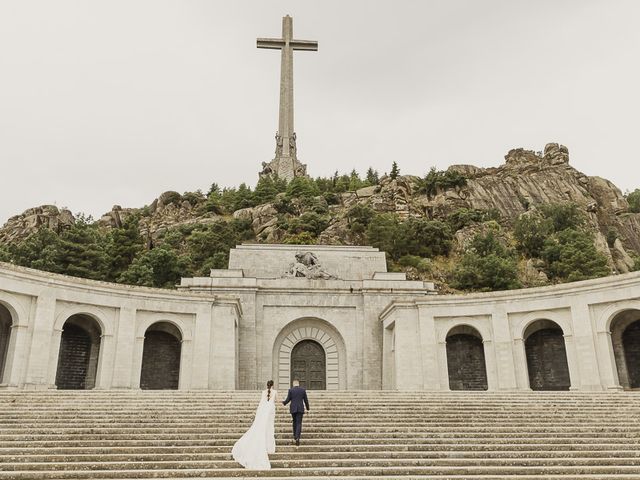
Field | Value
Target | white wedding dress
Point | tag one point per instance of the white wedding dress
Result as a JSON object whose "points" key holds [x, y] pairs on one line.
{"points": [[253, 449]]}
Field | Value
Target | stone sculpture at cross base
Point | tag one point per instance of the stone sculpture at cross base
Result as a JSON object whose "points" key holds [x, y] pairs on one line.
{"points": [[285, 164]]}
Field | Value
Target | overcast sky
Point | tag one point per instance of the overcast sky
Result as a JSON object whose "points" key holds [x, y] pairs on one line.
{"points": [[113, 102]]}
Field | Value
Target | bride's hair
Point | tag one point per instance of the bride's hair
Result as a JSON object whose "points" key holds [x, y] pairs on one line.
{"points": [[269, 385]]}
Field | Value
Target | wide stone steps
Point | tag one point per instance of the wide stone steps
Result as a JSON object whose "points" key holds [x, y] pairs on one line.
{"points": [[467, 435]]}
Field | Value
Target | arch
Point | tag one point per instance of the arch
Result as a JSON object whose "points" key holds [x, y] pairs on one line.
{"points": [[6, 322], [308, 365], [546, 356], [79, 352], [161, 357], [466, 363], [326, 336], [625, 341]]}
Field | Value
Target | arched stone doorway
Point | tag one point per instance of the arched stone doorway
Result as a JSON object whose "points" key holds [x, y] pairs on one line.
{"points": [[465, 359], [322, 334], [5, 333], [161, 357], [308, 365], [625, 339], [546, 356], [79, 351]]}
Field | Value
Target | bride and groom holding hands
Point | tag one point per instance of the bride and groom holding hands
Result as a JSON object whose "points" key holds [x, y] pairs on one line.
{"points": [[253, 449]]}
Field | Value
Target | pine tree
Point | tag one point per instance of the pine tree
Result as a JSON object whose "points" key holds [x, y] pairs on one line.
{"points": [[372, 176], [395, 171], [124, 244]]}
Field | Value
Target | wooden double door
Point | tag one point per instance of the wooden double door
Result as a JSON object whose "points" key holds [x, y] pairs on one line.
{"points": [[308, 365]]}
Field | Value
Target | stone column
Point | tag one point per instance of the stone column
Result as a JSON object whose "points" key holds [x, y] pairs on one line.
{"points": [[505, 355], [607, 362], [572, 362], [409, 373], [201, 348], [54, 355], [427, 347], [104, 373], [186, 364], [222, 371], [125, 341], [490, 365], [38, 365], [586, 355], [443, 367], [136, 369], [17, 355], [520, 362]]}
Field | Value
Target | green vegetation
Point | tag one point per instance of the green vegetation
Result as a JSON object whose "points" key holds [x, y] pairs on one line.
{"points": [[119, 255], [395, 171], [556, 234], [486, 265], [437, 180], [416, 236], [634, 200]]}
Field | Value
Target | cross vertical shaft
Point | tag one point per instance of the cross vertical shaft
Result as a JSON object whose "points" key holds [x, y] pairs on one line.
{"points": [[286, 164]]}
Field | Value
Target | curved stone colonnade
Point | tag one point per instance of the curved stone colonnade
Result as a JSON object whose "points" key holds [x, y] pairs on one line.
{"points": [[577, 336], [62, 332]]}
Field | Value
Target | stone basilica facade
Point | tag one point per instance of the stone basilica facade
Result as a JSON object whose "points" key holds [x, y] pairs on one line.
{"points": [[331, 316]]}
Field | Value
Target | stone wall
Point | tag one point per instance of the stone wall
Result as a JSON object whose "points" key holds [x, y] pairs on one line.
{"points": [[238, 332]]}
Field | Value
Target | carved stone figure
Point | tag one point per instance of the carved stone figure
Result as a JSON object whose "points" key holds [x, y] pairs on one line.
{"points": [[307, 266], [278, 144], [292, 145]]}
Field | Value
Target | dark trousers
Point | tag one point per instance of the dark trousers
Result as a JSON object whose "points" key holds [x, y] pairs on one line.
{"points": [[297, 424]]}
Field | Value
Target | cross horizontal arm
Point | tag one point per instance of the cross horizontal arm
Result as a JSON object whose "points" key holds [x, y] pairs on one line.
{"points": [[304, 45], [275, 43]]}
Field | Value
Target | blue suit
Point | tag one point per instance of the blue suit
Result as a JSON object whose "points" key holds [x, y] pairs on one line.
{"points": [[298, 398]]}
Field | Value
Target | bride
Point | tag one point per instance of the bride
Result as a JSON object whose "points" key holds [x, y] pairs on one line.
{"points": [[252, 450]]}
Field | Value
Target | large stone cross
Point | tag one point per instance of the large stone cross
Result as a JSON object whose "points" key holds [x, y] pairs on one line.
{"points": [[286, 164]]}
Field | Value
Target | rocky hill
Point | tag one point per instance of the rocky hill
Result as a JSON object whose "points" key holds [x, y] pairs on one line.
{"points": [[525, 182]]}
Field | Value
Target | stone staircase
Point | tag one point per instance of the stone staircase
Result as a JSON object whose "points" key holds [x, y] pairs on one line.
{"points": [[354, 435]]}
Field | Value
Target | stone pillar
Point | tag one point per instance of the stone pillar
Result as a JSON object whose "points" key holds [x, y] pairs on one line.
{"points": [[409, 373], [505, 355], [585, 348], [520, 362], [17, 355], [136, 369], [222, 370], [186, 364], [54, 356], [572, 361], [123, 364], [490, 365], [443, 370], [104, 373], [39, 366], [201, 348], [607, 362], [430, 357]]}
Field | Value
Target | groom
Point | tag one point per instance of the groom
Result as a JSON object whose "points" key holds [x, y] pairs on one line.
{"points": [[297, 396]]}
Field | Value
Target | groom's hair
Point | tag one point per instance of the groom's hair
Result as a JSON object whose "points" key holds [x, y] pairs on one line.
{"points": [[295, 383]]}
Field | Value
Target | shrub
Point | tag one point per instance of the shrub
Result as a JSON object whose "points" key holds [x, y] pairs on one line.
{"points": [[468, 216], [437, 180], [487, 265], [634, 200], [302, 238], [571, 255]]}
